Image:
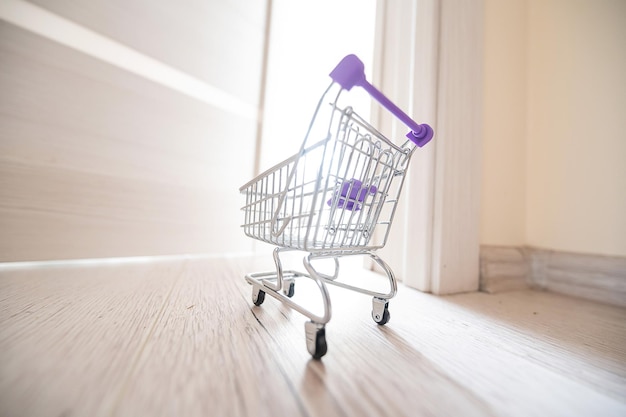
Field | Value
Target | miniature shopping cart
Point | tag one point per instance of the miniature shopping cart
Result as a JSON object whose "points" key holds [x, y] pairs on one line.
{"points": [[335, 197]]}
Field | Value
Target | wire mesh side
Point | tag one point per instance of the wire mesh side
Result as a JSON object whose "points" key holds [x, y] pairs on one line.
{"points": [[261, 200], [359, 186], [281, 199], [333, 195]]}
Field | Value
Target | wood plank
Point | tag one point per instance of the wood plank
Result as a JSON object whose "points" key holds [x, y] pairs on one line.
{"points": [[208, 355], [526, 352], [97, 162], [219, 42], [69, 336], [216, 353], [368, 370], [491, 346], [586, 343], [182, 338]]}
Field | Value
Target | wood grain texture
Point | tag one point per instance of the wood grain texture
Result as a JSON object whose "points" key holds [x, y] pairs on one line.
{"points": [[503, 269], [210, 354], [527, 351], [594, 277], [181, 337], [218, 42], [69, 336], [97, 162]]}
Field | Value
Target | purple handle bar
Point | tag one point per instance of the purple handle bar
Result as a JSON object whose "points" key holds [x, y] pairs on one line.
{"points": [[351, 71]]}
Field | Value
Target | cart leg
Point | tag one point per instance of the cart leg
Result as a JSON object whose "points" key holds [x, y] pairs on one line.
{"points": [[380, 303], [393, 283], [315, 339], [280, 285]]}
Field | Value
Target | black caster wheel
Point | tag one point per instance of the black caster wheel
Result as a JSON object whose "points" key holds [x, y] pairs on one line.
{"points": [[291, 290], [316, 340], [380, 311], [320, 344], [384, 319], [258, 296]]}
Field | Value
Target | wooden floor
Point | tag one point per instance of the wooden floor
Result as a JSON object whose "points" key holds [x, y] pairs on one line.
{"points": [[180, 337]]}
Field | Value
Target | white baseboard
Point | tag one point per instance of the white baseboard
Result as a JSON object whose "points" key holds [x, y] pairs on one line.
{"points": [[503, 269], [594, 277]]}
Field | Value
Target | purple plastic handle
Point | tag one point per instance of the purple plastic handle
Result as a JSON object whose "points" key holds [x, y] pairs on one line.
{"points": [[351, 71]]}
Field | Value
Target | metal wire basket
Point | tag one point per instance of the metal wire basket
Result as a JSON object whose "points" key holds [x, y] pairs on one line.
{"points": [[331, 198]]}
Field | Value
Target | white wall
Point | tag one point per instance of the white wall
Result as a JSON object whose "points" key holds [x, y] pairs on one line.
{"points": [[504, 133], [554, 172], [576, 163]]}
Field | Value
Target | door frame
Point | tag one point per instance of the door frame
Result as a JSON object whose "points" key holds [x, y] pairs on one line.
{"points": [[430, 60]]}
